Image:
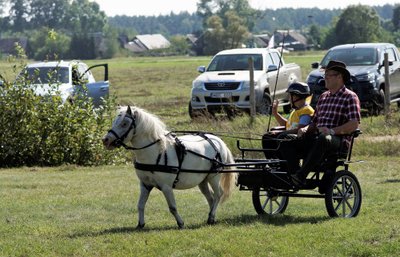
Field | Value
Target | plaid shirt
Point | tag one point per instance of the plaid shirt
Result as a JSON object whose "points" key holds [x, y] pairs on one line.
{"points": [[336, 109]]}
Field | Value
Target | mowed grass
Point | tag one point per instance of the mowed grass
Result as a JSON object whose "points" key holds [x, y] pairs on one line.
{"points": [[75, 211], [91, 211]]}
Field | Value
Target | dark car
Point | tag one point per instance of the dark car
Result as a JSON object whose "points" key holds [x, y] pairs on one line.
{"points": [[365, 61]]}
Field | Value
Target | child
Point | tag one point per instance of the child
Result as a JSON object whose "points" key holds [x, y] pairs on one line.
{"points": [[298, 118]]}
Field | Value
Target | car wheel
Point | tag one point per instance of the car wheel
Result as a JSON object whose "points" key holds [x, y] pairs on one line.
{"points": [[264, 107], [198, 113], [379, 105]]}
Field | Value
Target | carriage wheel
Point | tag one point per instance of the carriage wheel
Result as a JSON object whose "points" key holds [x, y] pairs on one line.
{"points": [[270, 203], [343, 195]]}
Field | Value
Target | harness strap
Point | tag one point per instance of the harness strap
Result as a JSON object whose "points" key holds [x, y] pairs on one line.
{"points": [[166, 169], [180, 150]]}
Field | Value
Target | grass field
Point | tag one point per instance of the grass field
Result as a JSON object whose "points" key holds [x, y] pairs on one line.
{"points": [[91, 211], [75, 211]]}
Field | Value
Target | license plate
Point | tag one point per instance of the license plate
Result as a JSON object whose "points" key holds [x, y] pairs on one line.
{"points": [[221, 95]]}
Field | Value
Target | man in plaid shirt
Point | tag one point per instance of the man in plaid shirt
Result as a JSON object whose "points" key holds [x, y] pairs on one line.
{"points": [[337, 113]]}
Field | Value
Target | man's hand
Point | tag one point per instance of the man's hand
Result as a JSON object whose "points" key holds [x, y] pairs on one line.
{"points": [[326, 131]]}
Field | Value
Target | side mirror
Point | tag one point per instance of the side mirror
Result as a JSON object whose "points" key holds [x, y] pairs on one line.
{"points": [[314, 65], [272, 67], [201, 69]]}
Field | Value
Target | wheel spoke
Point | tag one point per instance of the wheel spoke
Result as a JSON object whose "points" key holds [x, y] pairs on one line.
{"points": [[271, 207], [265, 203]]}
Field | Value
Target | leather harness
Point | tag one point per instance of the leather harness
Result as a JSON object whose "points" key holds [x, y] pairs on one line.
{"points": [[181, 151]]}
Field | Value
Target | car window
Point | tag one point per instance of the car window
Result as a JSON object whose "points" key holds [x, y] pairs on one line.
{"points": [[352, 56], [268, 60], [46, 75], [235, 62], [391, 54], [276, 59]]}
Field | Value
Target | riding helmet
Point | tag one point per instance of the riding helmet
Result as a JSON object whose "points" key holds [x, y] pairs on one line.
{"points": [[299, 88]]}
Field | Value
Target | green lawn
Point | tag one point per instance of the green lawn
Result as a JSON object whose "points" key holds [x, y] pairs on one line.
{"points": [[75, 211], [91, 211]]}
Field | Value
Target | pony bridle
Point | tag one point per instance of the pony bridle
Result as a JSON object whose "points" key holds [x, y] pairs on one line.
{"points": [[119, 141]]}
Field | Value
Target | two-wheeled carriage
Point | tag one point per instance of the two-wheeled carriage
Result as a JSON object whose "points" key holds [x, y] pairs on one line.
{"points": [[272, 185]]}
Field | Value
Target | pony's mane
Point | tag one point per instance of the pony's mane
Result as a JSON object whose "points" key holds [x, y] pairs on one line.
{"points": [[150, 126]]}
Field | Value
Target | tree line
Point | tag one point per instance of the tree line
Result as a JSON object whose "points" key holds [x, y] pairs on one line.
{"points": [[74, 28]]}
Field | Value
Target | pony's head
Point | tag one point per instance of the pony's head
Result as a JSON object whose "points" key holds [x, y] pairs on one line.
{"points": [[132, 124]]}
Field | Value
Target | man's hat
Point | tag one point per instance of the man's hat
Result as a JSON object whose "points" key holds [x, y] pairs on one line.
{"points": [[339, 67]]}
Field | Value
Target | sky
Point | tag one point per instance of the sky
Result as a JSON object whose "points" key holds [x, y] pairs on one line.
{"points": [[164, 7]]}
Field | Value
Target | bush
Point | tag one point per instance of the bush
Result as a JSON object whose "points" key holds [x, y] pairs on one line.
{"points": [[43, 131]]}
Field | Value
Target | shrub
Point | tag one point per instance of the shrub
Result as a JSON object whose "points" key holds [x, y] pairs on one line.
{"points": [[44, 131]]}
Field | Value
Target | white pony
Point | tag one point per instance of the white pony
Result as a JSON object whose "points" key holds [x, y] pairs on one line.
{"points": [[167, 162]]}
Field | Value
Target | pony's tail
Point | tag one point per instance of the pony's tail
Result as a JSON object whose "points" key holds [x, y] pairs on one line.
{"points": [[228, 180]]}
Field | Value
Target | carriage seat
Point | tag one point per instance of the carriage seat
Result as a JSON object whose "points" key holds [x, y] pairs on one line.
{"points": [[344, 152]]}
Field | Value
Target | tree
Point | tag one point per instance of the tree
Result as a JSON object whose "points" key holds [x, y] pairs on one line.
{"points": [[358, 23], [315, 37], [18, 15], [208, 8], [396, 17], [49, 13], [47, 44]]}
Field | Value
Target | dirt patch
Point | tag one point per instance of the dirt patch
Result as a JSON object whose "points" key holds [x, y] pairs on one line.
{"points": [[383, 138]]}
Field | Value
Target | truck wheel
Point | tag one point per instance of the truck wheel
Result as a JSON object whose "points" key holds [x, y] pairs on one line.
{"points": [[379, 105], [264, 107], [199, 113], [193, 113]]}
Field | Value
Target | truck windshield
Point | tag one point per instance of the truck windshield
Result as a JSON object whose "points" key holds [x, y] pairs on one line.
{"points": [[352, 56], [46, 75], [235, 62]]}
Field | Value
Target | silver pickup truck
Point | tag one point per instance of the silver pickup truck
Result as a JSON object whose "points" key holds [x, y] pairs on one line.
{"points": [[225, 84]]}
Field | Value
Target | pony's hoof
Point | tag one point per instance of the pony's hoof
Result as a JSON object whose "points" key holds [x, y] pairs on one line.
{"points": [[139, 226], [181, 226], [211, 222]]}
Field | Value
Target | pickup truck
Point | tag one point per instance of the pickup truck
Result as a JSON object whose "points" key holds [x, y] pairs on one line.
{"points": [[67, 78], [225, 84], [365, 61]]}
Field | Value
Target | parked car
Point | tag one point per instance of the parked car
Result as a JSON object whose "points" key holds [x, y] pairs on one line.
{"points": [[225, 84], [365, 61], [69, 78]]}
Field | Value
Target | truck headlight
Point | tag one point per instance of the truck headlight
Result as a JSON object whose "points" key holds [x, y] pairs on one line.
{"points": [[197, 84], [246, 84], [366, 77]]}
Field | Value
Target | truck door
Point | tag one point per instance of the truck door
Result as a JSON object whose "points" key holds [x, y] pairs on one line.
{"points": [[97, 90], [283, 78], [394, 71]]}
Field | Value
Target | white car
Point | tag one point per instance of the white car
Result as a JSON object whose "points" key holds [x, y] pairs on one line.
{"points": [[69, 78]]}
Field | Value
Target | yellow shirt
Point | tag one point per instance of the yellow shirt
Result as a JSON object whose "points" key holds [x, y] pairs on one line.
{"points": [[304, 114]]}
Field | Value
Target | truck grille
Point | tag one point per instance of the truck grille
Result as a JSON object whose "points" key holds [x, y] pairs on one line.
{"points": [[222, 85]]}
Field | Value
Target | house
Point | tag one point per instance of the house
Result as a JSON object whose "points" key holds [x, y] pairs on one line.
{"points": [[7, 45], [290, 39], [144, 43], [261, 40]]}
